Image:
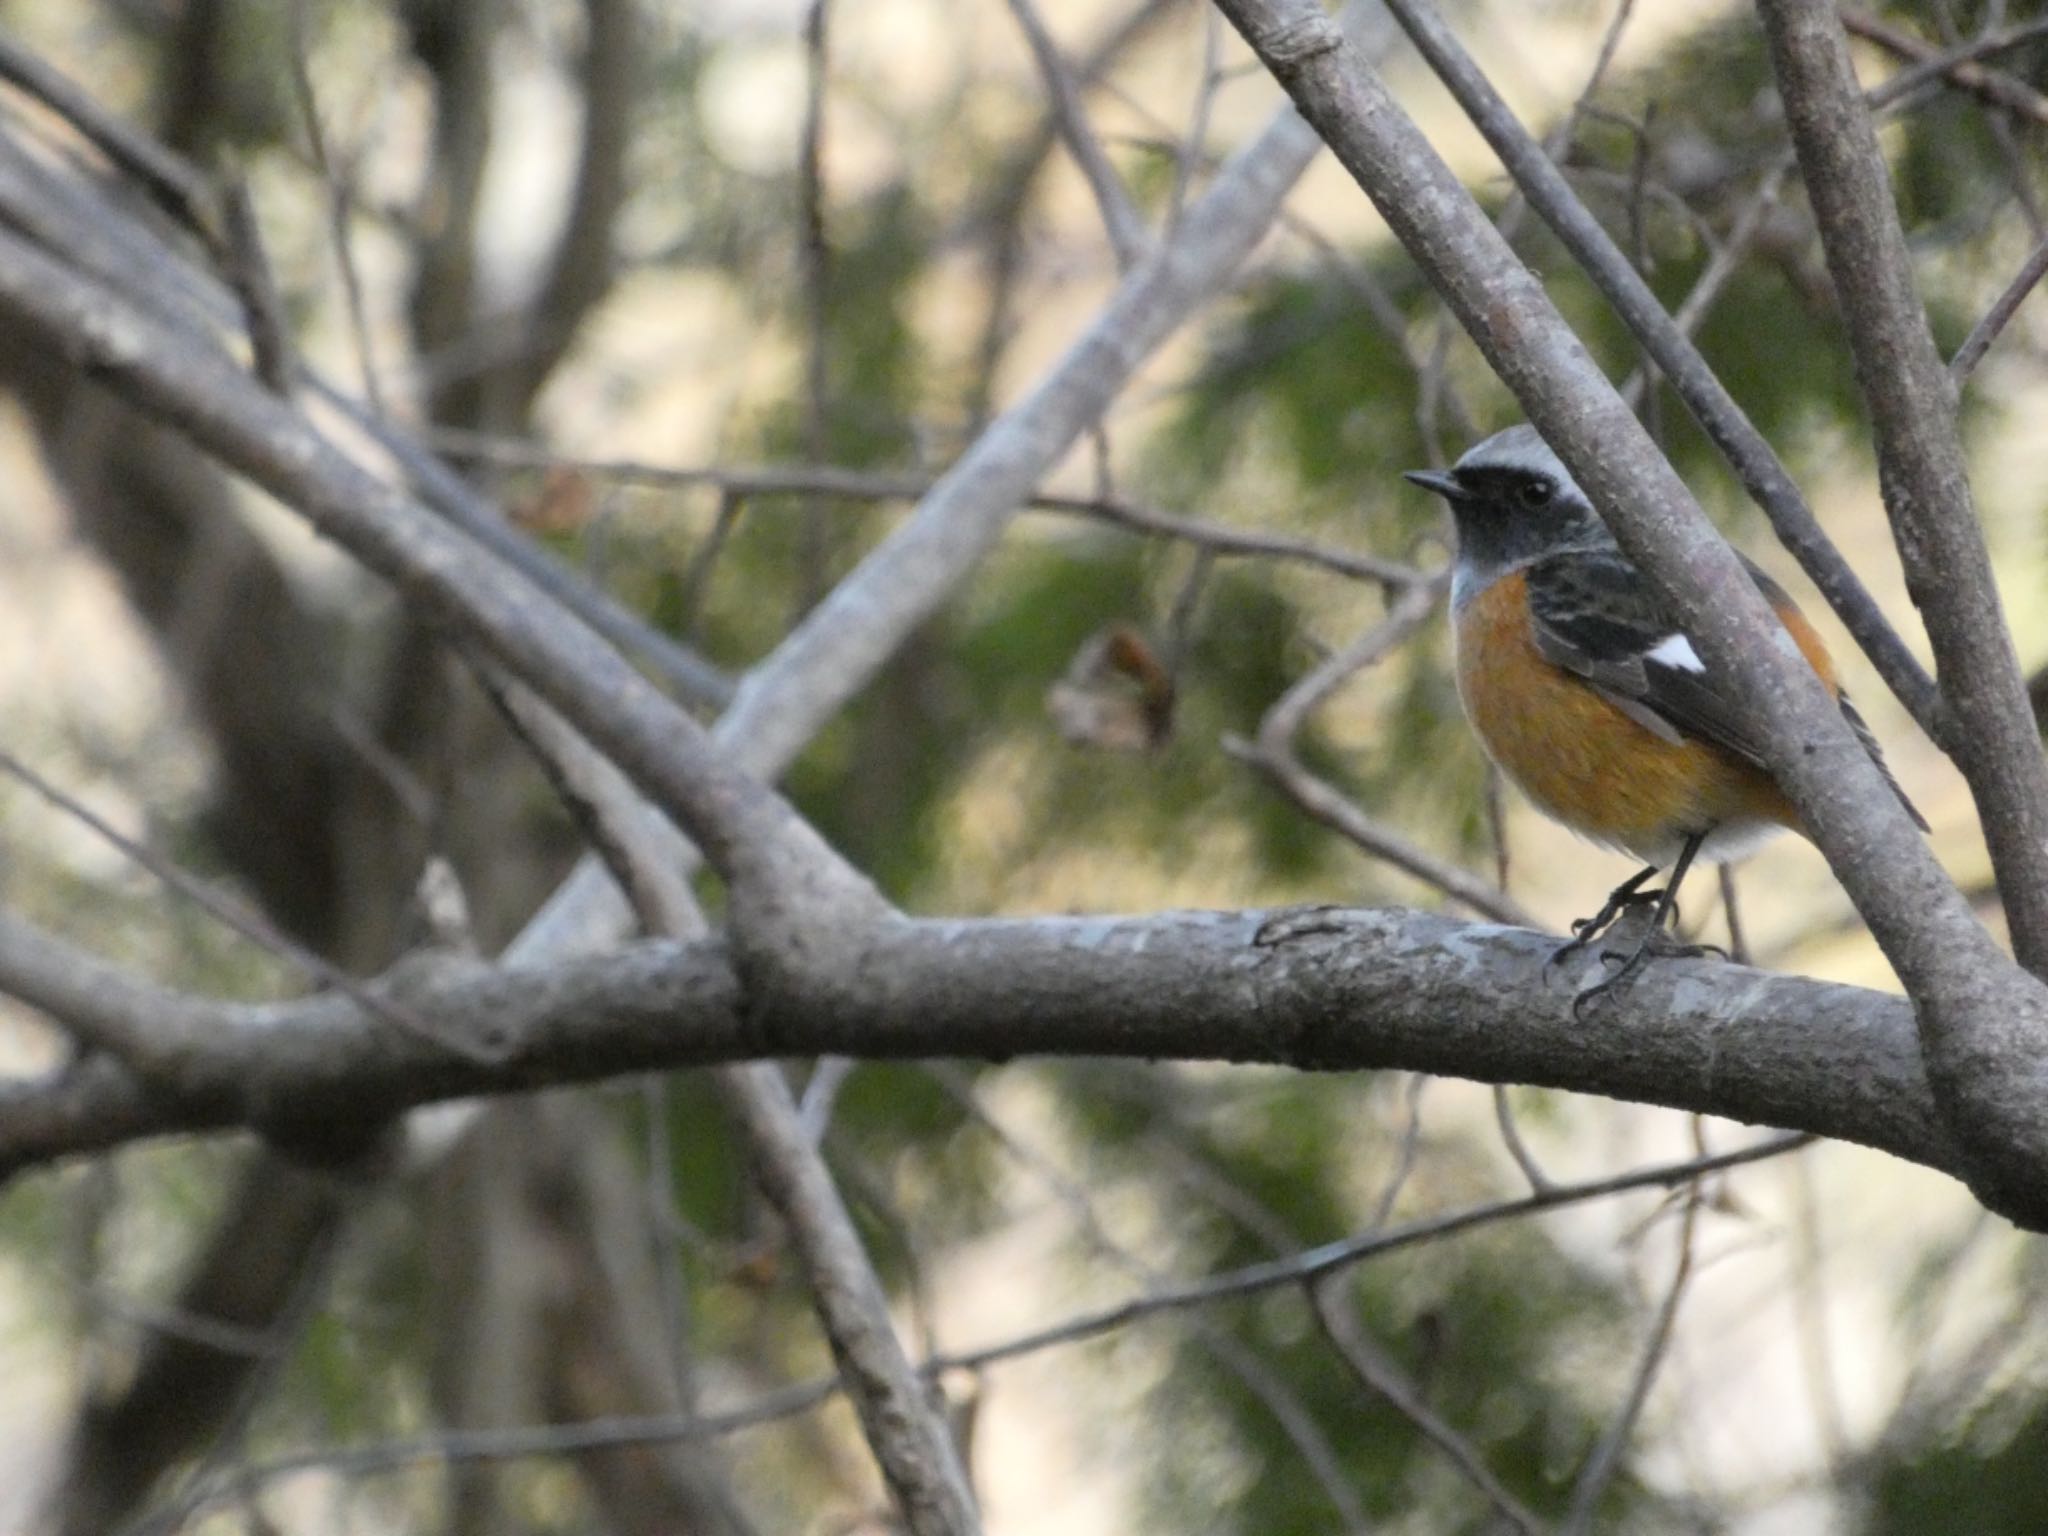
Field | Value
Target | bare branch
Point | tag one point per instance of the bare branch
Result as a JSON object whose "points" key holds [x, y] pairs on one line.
{"points": [[1127, 233], [2007, 304], [152, 1049], [1380, 1376], [1959, 64], [903, 1424], [908, 1435], [1325, 989], [73, 218], [176, 187], [339, 199], [1948, 569], [868, 485], [1511, 1139], [1605, 1460], [1293, 1416], [753, 838], [845, 639]]}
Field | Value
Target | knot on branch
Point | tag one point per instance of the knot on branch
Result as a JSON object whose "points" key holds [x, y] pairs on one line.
{"points": [[1308, 956], [1300, 42], [1289, 41]]}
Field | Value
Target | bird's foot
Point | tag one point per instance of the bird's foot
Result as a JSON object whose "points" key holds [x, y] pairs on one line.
{"points": [[1656, 944], [1623, 900]]}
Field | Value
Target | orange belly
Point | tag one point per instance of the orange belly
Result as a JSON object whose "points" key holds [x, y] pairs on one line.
{"points": [[1580, 758]]}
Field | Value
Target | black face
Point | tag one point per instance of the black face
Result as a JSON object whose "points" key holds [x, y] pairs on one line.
{"points": [[1509, 515]]}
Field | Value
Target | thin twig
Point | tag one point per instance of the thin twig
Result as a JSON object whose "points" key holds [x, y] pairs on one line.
{"points": [[1605, 1460], [1379, 1376], [1384, 313], [340, 201], [1296, 1421], [1959, 63], [1721, 266], [2007, 304], [1193, 151], [2019, 165], [228, 1444], [1810, 1306], [1127, 233], [1511, 1138], [749, 481], [1406, 1152], [137, 1047]]}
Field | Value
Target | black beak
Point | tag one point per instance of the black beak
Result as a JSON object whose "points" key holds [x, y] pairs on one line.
{"points": [[1445, 485]]}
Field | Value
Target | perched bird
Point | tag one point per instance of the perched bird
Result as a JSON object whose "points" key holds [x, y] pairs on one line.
{"points": [[1589, 694]]}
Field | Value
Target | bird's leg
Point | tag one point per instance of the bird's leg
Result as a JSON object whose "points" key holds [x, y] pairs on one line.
{"points": [[1652, 941], [1625, 895]]}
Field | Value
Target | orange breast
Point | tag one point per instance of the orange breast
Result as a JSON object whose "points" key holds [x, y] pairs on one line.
{"points": [[1580, 758]]}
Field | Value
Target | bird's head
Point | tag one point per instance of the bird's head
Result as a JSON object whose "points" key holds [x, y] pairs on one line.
{"points": [[1514, 502]]}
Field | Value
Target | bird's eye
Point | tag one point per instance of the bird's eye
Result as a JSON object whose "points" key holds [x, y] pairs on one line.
{"points": [[1534, 493]]}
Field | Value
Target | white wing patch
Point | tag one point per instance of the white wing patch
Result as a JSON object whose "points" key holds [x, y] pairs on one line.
{"points": [[1676, 652]]}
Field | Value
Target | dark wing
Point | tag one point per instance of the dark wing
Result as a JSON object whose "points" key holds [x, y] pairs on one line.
{"points": [[1595, 616]]}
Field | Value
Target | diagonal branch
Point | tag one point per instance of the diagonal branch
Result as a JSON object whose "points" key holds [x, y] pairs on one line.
{"points": [[1127, 234], [1986, 1078], [2002, 309], [1926, 487]]}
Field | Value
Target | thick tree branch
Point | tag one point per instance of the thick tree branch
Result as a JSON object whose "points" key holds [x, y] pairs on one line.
{"points": [[1321, 989], [1920, 456], [1984, 1021]]}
